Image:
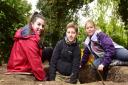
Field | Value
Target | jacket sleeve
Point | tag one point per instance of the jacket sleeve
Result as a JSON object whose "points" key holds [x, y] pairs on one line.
{"points": [[54, 59], [33, 54], [109, 49], [76, 63], [85, 56]]}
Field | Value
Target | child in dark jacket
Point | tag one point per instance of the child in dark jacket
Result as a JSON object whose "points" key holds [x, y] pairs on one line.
{"points": [[102, 47], [66, 56]]}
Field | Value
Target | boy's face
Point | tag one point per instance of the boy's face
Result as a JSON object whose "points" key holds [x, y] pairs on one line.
{"points": [[90, 29], [71, 34]]}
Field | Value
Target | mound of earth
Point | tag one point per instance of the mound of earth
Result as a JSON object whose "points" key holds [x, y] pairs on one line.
{"points": [[29, 79]]}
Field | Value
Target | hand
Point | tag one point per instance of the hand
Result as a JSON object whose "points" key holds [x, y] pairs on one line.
{"points": [[101, 67], [74, 81], [82, 66]]}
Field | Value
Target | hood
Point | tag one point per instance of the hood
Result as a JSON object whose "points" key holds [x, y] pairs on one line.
{"points": [[23, 32]]}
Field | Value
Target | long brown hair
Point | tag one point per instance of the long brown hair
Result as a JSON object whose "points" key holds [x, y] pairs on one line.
{"points": [[33, 19]]}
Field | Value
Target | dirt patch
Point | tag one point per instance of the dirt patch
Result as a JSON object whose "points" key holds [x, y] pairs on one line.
{"points": [[30, 80]]}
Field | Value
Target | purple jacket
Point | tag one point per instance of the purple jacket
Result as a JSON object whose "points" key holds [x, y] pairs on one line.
{"points": [[107, 45]]}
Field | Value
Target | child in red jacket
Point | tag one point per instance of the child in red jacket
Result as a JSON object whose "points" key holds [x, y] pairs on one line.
{"points": [[26, 52]]}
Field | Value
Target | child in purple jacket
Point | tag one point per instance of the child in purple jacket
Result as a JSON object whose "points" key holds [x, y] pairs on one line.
{"points": [[102, 47]]}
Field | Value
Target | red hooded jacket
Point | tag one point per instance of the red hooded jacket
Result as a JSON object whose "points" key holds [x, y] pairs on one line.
{"points": [[26, 55]]}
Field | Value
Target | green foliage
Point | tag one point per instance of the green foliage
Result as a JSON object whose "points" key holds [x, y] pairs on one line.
{"points": [[106, 18], [87, 1], [123, 11], [58, 13], [13, 14], [114, 27], [81, 36], [117, 32]]}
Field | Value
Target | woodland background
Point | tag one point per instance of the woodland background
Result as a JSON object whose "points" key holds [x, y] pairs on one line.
{"points": [[110, 15]]}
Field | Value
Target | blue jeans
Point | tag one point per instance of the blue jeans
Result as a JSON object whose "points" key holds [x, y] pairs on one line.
{"points": [[121, 54], [97, 62]]}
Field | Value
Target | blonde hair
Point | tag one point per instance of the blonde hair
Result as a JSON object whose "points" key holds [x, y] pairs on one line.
{"points": [[90, 21], [73, 25]]}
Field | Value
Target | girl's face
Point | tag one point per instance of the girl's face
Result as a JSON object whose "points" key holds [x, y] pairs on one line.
{"points": [[90, 29], [71, 34], [38, 25]]}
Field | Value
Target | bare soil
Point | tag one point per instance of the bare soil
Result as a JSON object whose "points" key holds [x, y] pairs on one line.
{"points": [[16, 79]]}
